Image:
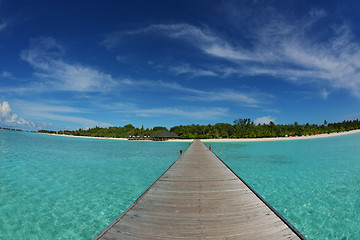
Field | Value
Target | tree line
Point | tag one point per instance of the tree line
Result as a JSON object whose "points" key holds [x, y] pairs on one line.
{"points": [[110, 132], [241, 128], [245, 128]]}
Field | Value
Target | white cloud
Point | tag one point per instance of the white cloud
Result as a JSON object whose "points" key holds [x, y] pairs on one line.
{"points": [[191, 113], [204, 39], [86, 123], [9, 119], [187, 69], [46, 56], [161, 112], [324, 94], [6, 74], [43, 112], [3, 26], [57, 111], [31, 107], [281, 46], [264, 120], [247, 97], [5, 110], [112, 40]]}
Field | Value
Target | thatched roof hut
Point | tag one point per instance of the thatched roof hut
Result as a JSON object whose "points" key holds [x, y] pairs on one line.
{"points": [[163, 135]]}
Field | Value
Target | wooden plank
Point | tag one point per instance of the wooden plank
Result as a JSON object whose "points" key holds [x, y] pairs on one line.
{"points": [[199, 197]]}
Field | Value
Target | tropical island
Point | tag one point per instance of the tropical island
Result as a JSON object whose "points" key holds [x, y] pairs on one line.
{"points": [[241, 128]]}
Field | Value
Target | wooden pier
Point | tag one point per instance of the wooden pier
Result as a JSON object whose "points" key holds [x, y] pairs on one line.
{"points": [[199, 197]]}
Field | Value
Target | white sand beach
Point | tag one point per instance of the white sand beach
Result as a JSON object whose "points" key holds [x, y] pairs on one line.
{"points": [[232, 139], [270, 139]]}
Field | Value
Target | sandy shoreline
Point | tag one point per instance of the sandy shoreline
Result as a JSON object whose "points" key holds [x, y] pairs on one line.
{"points": [[230, 139], [281, 138]]}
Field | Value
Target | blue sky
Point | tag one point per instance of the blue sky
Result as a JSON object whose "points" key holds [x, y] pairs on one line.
{"points": [[80, 64]]}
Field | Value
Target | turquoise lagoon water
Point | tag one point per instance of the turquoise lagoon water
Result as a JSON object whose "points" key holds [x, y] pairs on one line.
{"points": [[314, 183], [54, 187]]}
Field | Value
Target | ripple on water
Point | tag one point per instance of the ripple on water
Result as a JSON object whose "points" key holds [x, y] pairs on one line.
{"points": [[314, 183], [68, 188]]}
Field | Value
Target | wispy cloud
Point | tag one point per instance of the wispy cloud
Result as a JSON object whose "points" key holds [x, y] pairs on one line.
{"points": [[58, 111], [188, 112], [6, 74], [191, 113], [54, 73], [202, 38], [281, 46], [324, 94], [84, 122], [3, 25], [33, 107], [46, 56], [247, 97], [195, 72]]}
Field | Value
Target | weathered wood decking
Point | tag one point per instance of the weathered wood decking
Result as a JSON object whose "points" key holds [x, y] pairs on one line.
{"points": [[199, 197]]}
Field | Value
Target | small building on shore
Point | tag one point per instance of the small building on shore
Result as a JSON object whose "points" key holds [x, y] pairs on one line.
{"points": [[139, 137], [163, 135]]}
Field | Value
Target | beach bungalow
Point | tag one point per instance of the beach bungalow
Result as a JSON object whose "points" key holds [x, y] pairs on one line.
{"points": [[139, 137], [163, 135]]}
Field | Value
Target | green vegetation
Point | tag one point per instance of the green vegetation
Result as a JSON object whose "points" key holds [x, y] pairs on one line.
{"points": [[245, 128], [241, 128], [110, 132]]}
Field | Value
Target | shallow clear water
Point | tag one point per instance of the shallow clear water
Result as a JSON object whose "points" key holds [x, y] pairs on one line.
{"points": [[54, 187], [315, 183]]}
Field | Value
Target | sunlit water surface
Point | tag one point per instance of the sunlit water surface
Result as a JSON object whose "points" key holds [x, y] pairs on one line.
{"points": [[314, 183], [54, 187]]}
